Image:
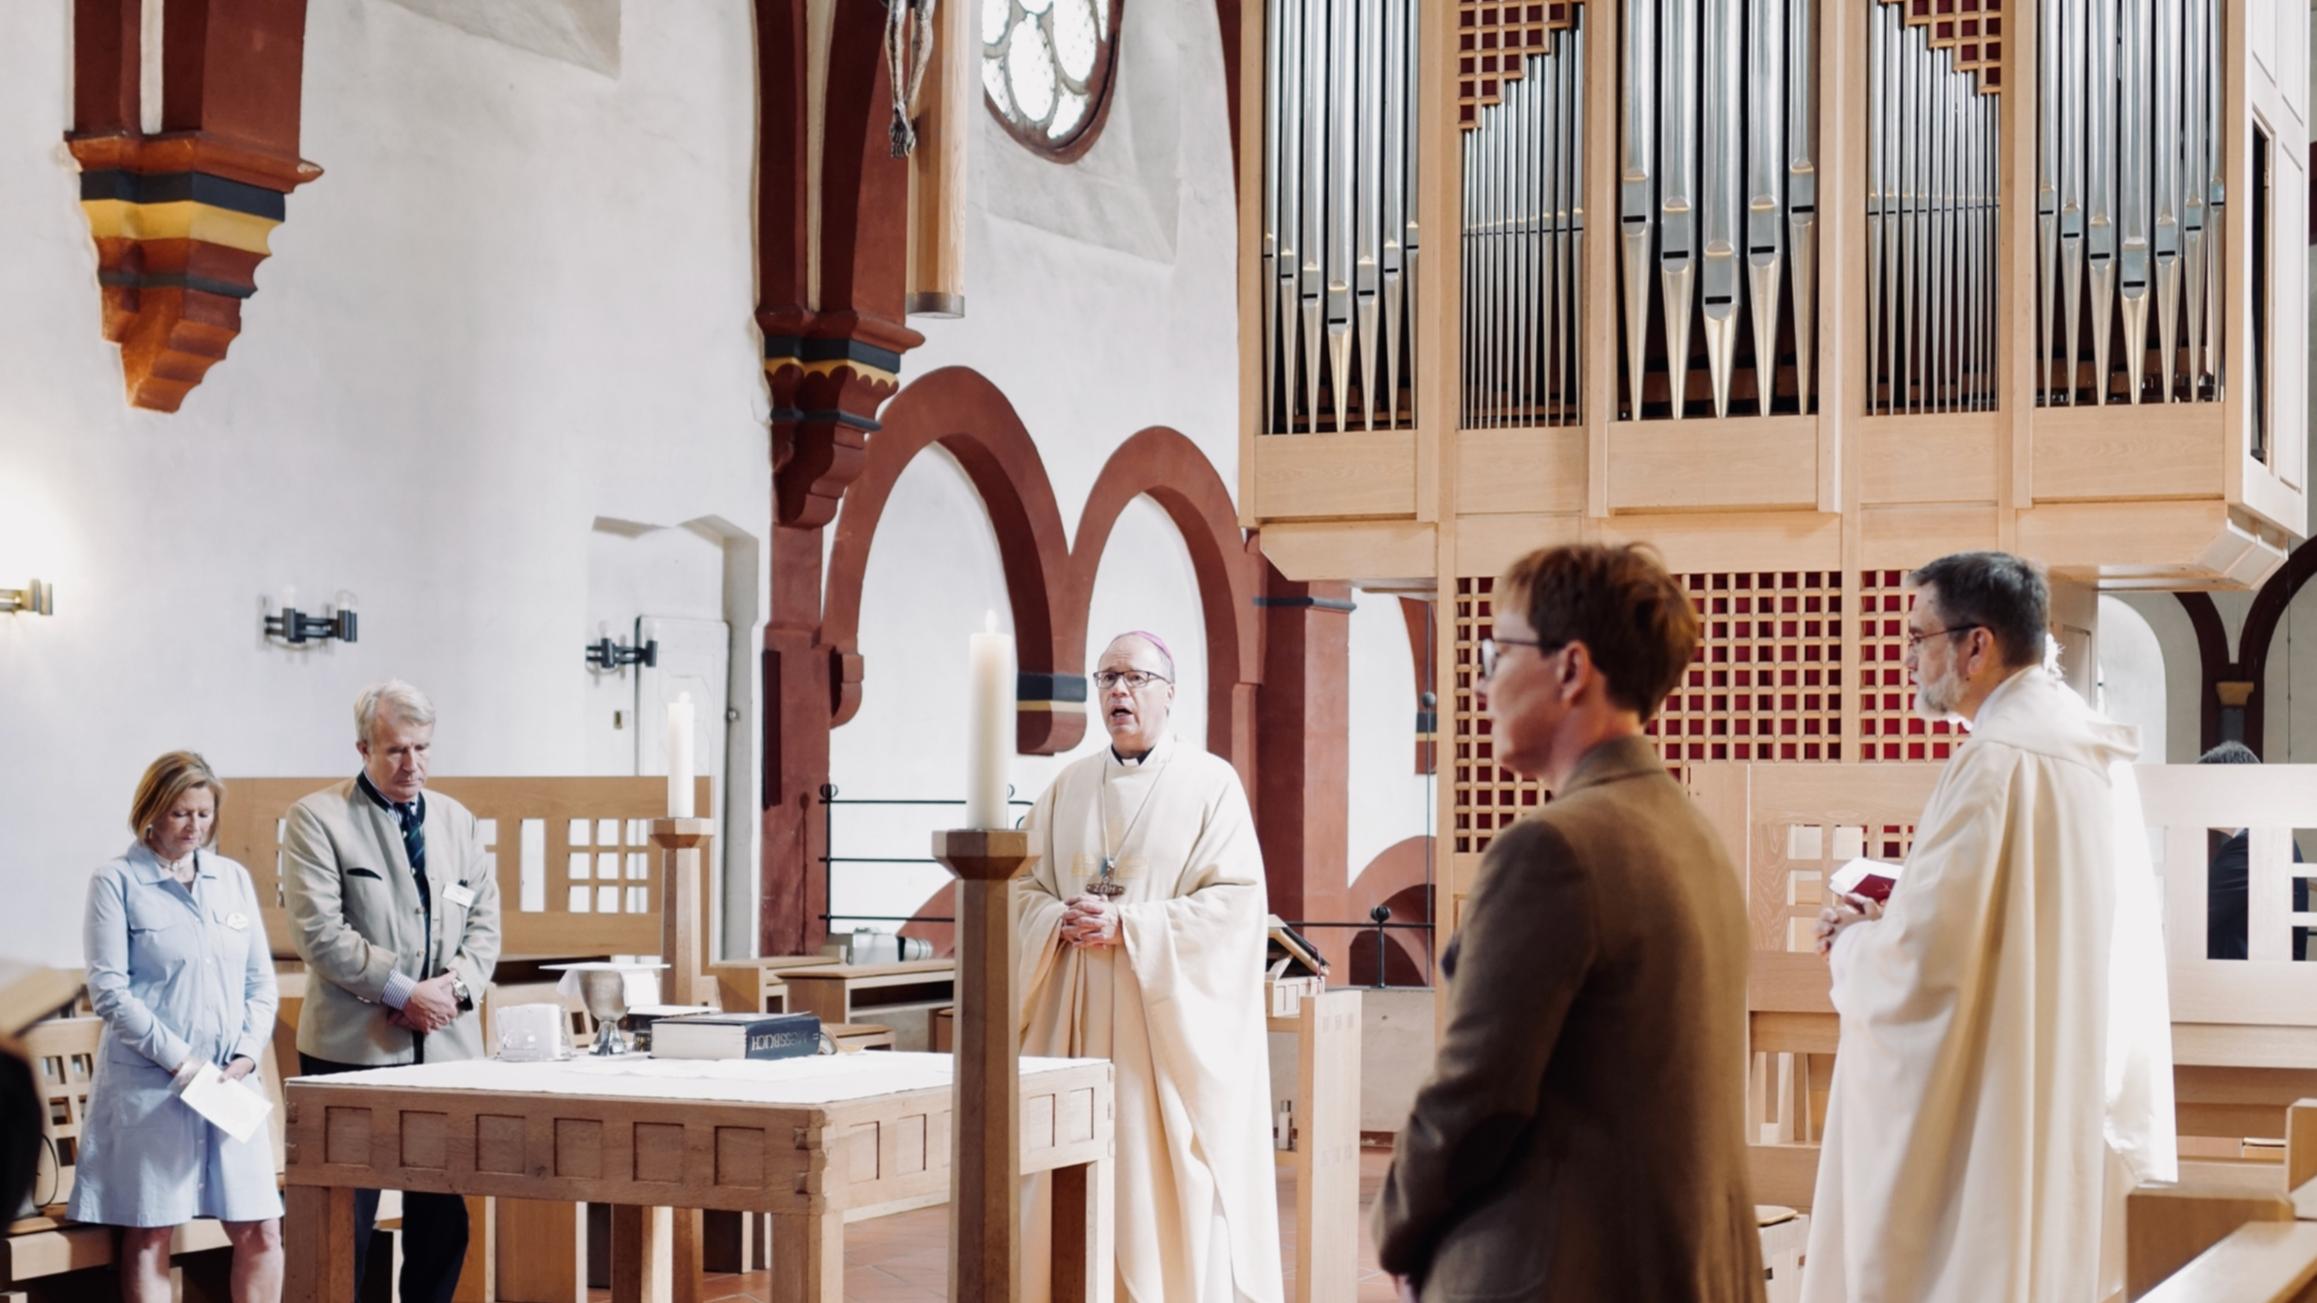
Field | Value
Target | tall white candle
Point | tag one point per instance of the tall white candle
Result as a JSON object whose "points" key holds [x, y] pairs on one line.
{"points": [[680, 757], [990, 727]]}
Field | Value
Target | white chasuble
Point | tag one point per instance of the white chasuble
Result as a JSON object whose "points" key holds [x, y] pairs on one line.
{"points": [[2004, 1073], [1176, 1006]]}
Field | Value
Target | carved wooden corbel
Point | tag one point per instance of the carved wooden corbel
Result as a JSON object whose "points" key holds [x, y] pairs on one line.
{"points": [[181, 216], [832, 245]]}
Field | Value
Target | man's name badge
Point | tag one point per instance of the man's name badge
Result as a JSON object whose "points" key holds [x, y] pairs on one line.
{"points": [[238, 921], [460, 894]]}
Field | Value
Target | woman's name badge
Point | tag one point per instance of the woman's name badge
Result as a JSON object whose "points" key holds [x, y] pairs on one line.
{"points": [[238, 921], [460, 894]]}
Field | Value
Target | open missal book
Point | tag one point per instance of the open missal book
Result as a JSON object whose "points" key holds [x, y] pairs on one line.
{"points": [[1872, 879]]}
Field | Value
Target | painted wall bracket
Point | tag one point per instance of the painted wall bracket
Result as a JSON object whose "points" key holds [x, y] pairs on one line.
{"points": [[182, 217]]}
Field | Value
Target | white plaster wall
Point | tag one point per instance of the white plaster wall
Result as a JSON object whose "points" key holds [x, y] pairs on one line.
{"points": [[1100, 295], [2183, 674], [519, 298], [1390, 801], [2131, 677]]}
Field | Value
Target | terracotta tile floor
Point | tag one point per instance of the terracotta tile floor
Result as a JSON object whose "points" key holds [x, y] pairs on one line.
{"points": [[904, 1259]]}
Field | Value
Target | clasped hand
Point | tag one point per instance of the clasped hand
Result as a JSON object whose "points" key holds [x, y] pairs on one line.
{"points": [[1089, 922], [1844, 912], [431, 1007]]}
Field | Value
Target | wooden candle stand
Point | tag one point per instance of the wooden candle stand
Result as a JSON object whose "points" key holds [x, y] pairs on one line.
{"points": [[679, 845], [985, 1193]]}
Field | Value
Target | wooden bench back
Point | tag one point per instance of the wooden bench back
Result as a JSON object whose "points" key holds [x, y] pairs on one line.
{"points": [[64, 1053], [583, 843], [2244, 1031]]}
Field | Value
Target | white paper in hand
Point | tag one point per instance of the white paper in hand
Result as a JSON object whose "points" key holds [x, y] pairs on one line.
{"points": [[230, 1106]]}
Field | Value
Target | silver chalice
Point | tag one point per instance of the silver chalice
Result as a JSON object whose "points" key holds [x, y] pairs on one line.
{"points": [[605, 991]]}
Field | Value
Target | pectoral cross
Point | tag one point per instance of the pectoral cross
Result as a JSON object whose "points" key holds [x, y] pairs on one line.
{"points": [[1104, 886]]}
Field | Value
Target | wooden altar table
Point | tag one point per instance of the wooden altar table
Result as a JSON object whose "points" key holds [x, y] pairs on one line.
{"points": [[815, 1142]]}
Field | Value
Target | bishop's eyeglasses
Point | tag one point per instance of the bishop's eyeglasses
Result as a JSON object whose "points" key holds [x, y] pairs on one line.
{"points": [[1135, 680]]}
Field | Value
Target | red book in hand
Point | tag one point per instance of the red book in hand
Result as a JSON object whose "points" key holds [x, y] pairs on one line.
{"points": [[1872, 879]]}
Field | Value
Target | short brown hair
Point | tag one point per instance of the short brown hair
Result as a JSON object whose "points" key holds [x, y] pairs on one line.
{"points": [[1618, 601], [166, 781]]}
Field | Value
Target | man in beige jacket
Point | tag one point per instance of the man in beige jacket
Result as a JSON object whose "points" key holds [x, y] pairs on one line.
{"points": [[394, 909]]}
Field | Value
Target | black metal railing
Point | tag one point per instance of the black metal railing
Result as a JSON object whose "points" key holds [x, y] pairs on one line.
{"points": [[1379, 920], [830, 859]]}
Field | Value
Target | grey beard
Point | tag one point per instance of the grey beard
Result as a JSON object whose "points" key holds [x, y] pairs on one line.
{"points": [[1931, 703]]}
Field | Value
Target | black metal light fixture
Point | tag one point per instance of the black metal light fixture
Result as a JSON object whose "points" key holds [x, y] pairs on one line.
{"points": [[604, 655], [35, 598], [297, 628]]}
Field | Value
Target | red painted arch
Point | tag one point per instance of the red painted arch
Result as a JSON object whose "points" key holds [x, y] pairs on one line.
{"points": [[1165, 466], [1049, 580], [959, 409], [2261, 621]]}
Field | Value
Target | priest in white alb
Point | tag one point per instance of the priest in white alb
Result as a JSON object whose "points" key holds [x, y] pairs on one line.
{"points": [[1140, 939], [2004, 1074]]}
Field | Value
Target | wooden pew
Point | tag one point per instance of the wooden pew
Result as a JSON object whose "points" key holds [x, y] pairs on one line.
{"points": [[599, 895], [2244, 1031], [40, 1249], [2266, 1259]]}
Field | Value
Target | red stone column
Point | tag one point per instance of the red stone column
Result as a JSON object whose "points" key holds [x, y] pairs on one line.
{"points": [[1303, 768], [799, 702]]}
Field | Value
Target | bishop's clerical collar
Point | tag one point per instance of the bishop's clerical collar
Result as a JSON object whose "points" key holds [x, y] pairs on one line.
{"points": [[1135, 759]]}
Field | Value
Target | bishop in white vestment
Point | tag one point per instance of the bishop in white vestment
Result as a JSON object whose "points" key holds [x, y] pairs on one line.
{"points": [[2004, 1072], [1139, 937]]}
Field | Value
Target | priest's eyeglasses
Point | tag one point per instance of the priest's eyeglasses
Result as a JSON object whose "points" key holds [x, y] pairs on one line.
{"points": [[1490, 651], [1915, 640], [1135, 680]]}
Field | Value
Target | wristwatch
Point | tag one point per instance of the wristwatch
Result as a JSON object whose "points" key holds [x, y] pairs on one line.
{"points": [[460, 992]]}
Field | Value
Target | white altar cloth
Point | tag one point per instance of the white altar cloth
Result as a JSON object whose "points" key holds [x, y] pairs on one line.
{"points": [[817, 1079]]}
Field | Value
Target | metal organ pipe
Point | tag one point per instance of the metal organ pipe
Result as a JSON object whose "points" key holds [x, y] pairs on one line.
{"points": [[1340, 237], [2135, 105], [1717, 194]]}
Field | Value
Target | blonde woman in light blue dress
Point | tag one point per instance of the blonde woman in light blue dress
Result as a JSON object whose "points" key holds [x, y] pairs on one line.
{"points": [[179, 969]]}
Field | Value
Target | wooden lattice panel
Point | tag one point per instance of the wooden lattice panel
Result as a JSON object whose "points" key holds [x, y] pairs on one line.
{"points": [[1494, 40], [63, 1052], [1766, 685], [1488, 797], [1790, 866], [572, 856], [1970, 31], [1888, 728]]}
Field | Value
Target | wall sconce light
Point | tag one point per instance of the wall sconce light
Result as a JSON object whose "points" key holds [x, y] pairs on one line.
{"points": [[35, 598], [604, 655], [297, 628]]}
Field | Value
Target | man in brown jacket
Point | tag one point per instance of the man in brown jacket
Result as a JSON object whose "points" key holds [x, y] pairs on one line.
{"points": [[1582, 1136]]}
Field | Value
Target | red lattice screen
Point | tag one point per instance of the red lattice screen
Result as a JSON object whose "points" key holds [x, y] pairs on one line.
{"points": [[1494, 39], [1971, 31], [1766, 685], [1888, 728]]}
